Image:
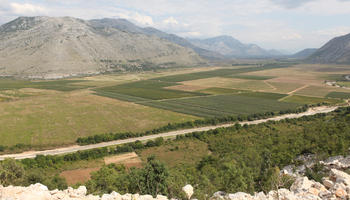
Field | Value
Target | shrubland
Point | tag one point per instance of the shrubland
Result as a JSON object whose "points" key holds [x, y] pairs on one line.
{"points": [[243, 158]]}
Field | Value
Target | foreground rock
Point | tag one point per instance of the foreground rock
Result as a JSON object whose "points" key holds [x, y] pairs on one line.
{"points": [[335, 186]]}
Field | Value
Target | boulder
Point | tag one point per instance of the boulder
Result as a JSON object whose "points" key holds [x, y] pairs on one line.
{"points": [[239, 196], [188, 189], [126, 197], [161, 197], [340, 177], [301, 184]]}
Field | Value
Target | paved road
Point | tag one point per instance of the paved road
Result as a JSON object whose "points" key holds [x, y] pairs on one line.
{"points": [[75, 148]]}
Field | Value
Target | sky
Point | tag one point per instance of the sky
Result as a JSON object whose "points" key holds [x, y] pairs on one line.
{"points": [[290, 25]]}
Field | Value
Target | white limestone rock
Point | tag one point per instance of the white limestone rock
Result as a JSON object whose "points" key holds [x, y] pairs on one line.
{"points": [[188, 189]]}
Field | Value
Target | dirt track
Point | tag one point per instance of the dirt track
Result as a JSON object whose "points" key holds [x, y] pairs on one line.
{"points": [[71, 149]]}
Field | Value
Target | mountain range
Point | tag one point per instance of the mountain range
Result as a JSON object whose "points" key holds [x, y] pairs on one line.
{"points": [[336, 51], [48, 47], [230, 47], [303, 54], [55, 47]]}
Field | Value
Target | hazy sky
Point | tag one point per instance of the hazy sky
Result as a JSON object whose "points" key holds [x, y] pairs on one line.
{"points": [[278, 24]]}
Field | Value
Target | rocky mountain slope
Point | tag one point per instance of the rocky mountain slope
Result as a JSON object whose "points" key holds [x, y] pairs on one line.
{"points": [[127, 26], [48, 47], [303, 53], [232, 48], [336, 51]]}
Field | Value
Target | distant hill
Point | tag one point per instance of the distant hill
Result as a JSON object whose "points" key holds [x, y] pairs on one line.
{"points": [[303, 53], [336, 51], [49, 47], [233, 48]]}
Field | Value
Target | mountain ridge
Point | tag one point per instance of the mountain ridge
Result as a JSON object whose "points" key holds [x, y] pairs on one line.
{"points": [[336, 51], [56, 47], [230, 47]]}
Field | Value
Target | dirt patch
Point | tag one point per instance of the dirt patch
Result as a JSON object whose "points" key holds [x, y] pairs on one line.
{"points": [[128, 160], [78, 175]]}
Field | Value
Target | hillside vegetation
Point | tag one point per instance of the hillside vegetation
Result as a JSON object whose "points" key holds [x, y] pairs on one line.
{"points": [[227, 159]]}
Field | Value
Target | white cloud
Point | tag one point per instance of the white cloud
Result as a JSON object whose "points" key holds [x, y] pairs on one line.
{"points": [[191, 34], [171, 21], [326, 7], [27, 9], [142, 19], [333, 32], [292, 36], [269, 23], [136, 17], [291, 3]]}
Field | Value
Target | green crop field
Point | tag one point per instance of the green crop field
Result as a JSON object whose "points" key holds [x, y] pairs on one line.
{"points": [[223, 105], [219, 73], [264, 95], [310, 100], [252, 77], [340, 95], [148, 89], [59, 85], [319, 91]]}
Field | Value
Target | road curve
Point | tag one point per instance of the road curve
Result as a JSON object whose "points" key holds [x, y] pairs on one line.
{"points": [[75, 148]]}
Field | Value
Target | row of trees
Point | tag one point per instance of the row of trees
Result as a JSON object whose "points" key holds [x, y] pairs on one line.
{"points": [[56, 162], [243, 158], [190, 124]]}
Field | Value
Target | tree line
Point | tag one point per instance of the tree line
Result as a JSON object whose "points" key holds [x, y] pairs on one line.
{"points": [[190, 124], [243, 158]]}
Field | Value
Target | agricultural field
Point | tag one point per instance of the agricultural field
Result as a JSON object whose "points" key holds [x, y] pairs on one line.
{"points": [[339, 95], [59, 118], [344, 83], [55, 113], [320, 91], [252, 77], [229, 91], [312, 100], [148, 89], [216, 90], [58, 85], [224, 105], [227, 72]]}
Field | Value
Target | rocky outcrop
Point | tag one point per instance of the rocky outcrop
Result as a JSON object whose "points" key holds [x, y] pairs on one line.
{"points": [[336, 186], [41, 192]]}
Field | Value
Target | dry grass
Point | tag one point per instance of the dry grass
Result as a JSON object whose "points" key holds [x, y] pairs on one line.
{"points": [[78, 175], [318, 91], [60, 118], [128, 160]]}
